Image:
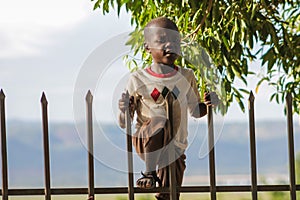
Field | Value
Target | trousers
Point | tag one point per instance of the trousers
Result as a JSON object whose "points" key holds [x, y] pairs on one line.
{"points": [[152, 142]]}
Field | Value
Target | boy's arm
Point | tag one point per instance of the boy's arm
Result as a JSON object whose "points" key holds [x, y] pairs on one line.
{"points": [[122, 120], [200, 110], [123, 105], [210, 99]]}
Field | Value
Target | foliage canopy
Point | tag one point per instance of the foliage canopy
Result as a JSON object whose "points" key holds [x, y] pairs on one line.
{"points": [[233, 33]]}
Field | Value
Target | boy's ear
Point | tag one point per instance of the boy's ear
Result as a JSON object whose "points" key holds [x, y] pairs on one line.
{"points": [[146, 46]]}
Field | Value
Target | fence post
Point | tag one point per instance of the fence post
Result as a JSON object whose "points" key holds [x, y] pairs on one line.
{"points": [[3, 147], [172, 169], [252, 146], [289, 113], [89, 115], [44, 103], [129, 150], [211, 143]]}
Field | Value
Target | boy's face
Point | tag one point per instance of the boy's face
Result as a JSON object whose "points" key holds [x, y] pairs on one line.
{"points": [[163, 44]]}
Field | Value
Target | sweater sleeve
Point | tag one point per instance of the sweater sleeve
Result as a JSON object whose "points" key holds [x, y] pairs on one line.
{"points": [[193, 98], [130, 88]]}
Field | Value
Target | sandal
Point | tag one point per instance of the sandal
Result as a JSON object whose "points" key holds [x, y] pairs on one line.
{"points": [[148, 181]]}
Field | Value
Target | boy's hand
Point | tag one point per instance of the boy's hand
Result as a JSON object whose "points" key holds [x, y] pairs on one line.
{"points": [[124, 103], [211, 99]]}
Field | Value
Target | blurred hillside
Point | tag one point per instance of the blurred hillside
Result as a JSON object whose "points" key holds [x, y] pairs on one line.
{"points": [[69, 155]]}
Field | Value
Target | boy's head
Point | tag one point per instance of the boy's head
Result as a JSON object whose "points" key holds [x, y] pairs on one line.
{"points": [[162, 40]]}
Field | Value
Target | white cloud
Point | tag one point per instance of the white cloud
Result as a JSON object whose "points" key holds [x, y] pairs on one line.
{"points": [[46, 54], [24, 25], [56, 13]]}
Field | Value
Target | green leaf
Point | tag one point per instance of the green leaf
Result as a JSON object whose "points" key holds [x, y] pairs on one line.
{"points": [[225, 60], [230, 74], [196, 15], [253, 13], [259, 83], [225, 42], [237, 93], [227, 86], [244, 91], [179, 21], [240, 102], [97, 5], [272, 96], [269, 55], [236, 70], [245, 67], [243, 30]]}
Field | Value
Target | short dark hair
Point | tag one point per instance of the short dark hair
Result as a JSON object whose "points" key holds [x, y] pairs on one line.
{"points": [[162, 22]]}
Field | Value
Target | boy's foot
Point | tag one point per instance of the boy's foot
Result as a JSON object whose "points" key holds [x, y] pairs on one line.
{"points": [[163, 196], [148, 180]]}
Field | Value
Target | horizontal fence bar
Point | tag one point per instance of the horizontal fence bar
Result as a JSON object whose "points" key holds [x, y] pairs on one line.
{"points": [[26, 192], [124, 190]]}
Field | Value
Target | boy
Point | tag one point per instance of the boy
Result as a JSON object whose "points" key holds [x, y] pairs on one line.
{"points": [[148, 89]]}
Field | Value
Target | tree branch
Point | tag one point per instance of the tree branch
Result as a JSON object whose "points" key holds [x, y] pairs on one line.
{"points": [[202, 21]]}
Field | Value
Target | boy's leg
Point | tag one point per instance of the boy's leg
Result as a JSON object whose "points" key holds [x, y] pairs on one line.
{"points": [[151, 143], [148, 148], [152, 148], [163, 175], [148, 142], [148, 137]]}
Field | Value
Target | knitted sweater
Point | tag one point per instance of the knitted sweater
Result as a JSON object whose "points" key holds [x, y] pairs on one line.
{"points": [[149, 90]]}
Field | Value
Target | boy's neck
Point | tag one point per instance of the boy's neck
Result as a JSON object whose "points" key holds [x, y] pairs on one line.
{"points": [[162, 68]]}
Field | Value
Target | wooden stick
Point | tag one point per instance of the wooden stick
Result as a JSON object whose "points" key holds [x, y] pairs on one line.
{"points": [[44, 103], [252, 146], [211, 143], [3, 147], [172, 166], [91, 176], [129, 150], [289, 114]]}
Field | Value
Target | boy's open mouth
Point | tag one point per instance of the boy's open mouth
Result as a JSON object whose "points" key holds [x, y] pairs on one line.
{"points": [[169, 53]]}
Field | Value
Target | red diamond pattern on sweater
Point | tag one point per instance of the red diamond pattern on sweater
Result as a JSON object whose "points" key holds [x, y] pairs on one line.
{"points": [[155, 94]]}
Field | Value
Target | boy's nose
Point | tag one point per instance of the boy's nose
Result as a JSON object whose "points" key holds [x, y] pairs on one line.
{"points": [[170, 46]]}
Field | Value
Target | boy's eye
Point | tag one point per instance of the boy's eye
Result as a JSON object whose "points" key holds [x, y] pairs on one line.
{"points": [[160, 40], [164, 40]]}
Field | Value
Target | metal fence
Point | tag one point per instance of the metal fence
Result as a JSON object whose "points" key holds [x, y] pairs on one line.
{"points": [[90, 190]]}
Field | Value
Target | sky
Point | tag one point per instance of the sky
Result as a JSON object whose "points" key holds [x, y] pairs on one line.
{"points": [[45, 46]]}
